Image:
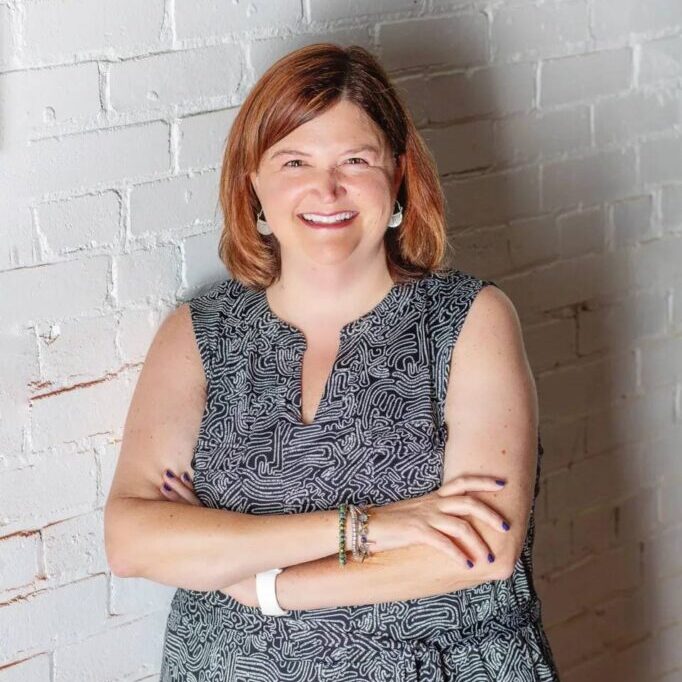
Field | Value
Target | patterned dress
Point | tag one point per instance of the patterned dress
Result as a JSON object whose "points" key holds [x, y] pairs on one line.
{"points": [[378, 436]]}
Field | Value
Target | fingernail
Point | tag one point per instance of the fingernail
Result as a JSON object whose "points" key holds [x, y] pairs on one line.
{"points": [[491, 558], [169, 473], [167, 487], [500, 482], [185, 476], [505, 525], [470, 563]]}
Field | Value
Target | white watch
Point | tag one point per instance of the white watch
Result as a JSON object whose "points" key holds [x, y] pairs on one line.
{"points": [[267, 596]]}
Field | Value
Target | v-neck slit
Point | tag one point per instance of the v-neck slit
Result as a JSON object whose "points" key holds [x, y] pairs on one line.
{"points": [[293, 334]]}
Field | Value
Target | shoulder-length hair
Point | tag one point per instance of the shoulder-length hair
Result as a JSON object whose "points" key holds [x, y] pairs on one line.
{"points": [[294, 90]]}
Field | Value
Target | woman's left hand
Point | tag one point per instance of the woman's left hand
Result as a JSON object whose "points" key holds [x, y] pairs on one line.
{"points": [[181, 489]]}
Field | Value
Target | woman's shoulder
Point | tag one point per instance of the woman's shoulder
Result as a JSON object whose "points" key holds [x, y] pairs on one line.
{"points": [[448, 284]]}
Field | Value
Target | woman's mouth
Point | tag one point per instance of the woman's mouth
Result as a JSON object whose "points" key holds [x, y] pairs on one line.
{"points": [[340, 220]]}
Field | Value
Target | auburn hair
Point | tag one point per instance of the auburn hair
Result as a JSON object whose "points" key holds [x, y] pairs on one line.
{"points": [[295, 89]]}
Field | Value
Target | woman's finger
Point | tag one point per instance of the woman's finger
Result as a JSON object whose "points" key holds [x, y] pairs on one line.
{"points": [[464, 505], [183, 491]]}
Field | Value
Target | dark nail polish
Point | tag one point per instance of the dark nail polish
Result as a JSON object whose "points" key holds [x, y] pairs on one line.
{"points": [[505, 525], [500, 482], [491, 558], [470, 563], [167, 487], [185, 476], [169, 473]]}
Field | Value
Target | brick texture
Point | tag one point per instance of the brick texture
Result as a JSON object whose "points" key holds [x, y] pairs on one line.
{"points": [[555, 127]]}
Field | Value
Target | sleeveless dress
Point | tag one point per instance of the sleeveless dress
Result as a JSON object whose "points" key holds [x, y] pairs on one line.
{"points": [[378, 436]]}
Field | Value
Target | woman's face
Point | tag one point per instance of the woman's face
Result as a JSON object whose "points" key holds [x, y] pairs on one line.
{"points": [[336, 162]]}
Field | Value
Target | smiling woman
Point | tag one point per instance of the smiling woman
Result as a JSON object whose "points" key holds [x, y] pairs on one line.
{"points": [[357, 422]]}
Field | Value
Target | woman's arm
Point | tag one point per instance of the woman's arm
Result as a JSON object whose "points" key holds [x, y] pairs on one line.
{"points": [[491, 410], [176, 544], [397, 574]]}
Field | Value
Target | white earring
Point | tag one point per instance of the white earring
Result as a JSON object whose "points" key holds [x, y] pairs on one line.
{"points": [[397, 217], [261, 224]]}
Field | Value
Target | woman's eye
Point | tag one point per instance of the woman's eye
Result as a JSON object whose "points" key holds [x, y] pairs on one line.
{"points": [[353, 158]]}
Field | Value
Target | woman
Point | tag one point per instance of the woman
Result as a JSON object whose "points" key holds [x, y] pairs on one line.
{"points": [[325, 373]]}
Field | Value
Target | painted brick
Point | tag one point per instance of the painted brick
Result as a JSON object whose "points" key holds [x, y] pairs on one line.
{"points": [[203, 18], [545, 29], [135, 596], [169, 205], [633, 220], [136, 331], [74, 548], [620, 18], [493, 198], [56, 29], [79, 223], [202, 264], [9, 37], [580, 388], [328, 10], [550, 344], [20, 562], [621, 323], [582, 232], [625, 118], [77, 350], [45, 98], [533, 241], [20, 369], [30, 626], [55, 290], [68, 415], [147, 275], [660, 160], [585, 76], [671, 207], [197, 76], [35, 669], [49, 490], [463, 147], [500, 88], [461, 41], [533, 136], [203, 138], [661, 60], [628, 421], [126, 651], [103, 156], [589, 180]]}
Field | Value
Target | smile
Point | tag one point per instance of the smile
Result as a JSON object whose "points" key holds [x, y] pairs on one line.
{"points": [[338, 220]]}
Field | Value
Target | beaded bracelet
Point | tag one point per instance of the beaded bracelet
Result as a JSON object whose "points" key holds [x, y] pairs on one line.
{"points": [[342, 534], [359, 531], [363, 517]]}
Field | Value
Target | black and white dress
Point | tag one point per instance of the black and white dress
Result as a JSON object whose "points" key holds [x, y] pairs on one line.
{"points": [[378, 436]]}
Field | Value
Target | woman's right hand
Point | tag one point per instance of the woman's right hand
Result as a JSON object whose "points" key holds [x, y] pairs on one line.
{"points": [[436, 519]]}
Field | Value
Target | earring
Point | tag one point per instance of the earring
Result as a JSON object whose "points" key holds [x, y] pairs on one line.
{"points": [[397, 217], [261, 224]]}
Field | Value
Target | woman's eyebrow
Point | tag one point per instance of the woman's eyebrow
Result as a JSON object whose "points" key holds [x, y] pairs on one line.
{"points": [[362, 148]]}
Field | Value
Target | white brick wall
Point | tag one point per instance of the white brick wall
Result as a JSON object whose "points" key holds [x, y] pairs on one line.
{"points": [[557, 129]]}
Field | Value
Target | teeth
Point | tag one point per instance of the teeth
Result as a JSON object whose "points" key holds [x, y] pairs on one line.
{"points": [[328, 219]]}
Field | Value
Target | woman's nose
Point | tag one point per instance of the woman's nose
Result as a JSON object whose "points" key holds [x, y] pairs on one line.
{"points": [[328, 181]]}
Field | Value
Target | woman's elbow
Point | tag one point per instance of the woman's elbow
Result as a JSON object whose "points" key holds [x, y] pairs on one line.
{"points": [[113, 547]]}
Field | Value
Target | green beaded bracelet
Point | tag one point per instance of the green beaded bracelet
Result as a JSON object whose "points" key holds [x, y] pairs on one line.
{"points": [[342, 534]]}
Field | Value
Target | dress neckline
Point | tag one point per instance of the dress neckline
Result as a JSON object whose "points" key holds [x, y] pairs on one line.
{"points": [[348, 329]]}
